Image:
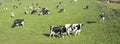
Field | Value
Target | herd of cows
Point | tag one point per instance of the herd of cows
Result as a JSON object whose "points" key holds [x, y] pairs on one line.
{"points": [[61, 30]]}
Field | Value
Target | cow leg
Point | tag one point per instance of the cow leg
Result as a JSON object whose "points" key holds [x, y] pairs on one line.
{"points": [[53, 35], [77, 32], [68, 33], [62, 35], [50, 35]]}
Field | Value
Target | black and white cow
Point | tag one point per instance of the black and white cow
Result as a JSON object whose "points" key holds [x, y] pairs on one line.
{"points": [[44, 11], [18, 22], [102, 17], [57, 30], [76, 28]]}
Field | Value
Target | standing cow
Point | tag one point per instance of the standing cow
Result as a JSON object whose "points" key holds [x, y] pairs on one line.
{"points": [[76, 28], [57, 30], [18, 22]]}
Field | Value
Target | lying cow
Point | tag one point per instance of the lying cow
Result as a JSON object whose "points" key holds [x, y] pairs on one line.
{"points": [[76, 28], [57, 30], [18, 22]]}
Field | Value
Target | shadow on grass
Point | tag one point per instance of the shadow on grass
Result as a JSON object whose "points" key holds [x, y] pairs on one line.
{"points": [[47, 35], [89, 22]]}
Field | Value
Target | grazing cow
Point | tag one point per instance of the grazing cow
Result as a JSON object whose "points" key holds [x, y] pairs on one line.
{"points": [[44, 11], [12, 15], [76, 28], [15, 7], [18, 22], [102, 16], [61, 10], [57, 30], [34, 11]]}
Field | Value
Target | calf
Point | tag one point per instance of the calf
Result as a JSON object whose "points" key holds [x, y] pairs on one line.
{"points": [[18, 22], [57, 30]]}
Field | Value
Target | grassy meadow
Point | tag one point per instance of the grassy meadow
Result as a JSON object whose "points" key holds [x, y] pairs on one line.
{"points": [[36, 29]]}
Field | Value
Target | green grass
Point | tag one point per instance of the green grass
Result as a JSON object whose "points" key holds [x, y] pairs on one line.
{"points": [[36, 29]]}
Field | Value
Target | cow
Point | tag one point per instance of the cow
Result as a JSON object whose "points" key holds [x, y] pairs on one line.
{"points": [[57, 30], [61, 10], [76, 28], [102, 17], [44, 11], [33, 11], [18, 22]]}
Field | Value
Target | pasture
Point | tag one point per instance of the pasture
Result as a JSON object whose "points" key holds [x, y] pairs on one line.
{"points": [[36, 29]]}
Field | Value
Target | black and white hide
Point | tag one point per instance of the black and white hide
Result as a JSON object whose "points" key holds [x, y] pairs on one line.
{"points": [[44, 11], [102, 17], [75, 28], [18, 22], [34, 11], [57, 30], [26, 12]]}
